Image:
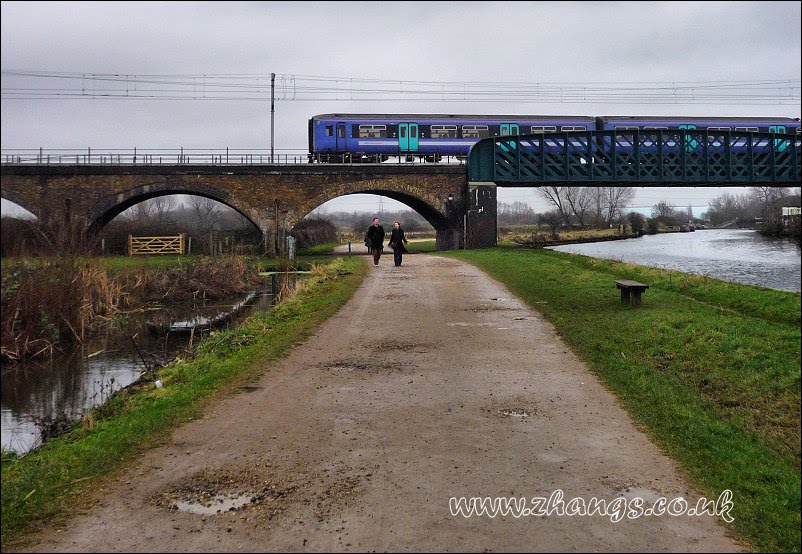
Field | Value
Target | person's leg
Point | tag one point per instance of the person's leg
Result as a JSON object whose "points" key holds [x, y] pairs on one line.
{"points": [[397, 257], [376, 254]]}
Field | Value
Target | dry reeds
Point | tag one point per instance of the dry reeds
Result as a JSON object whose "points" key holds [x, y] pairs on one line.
{"points": [[63, 301]]}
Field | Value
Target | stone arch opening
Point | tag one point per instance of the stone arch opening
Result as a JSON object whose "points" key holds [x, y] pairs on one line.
{"points": [[444, 221], [111, 210], [10, 208], [209, 225]]}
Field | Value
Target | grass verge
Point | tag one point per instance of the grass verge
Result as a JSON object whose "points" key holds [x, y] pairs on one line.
{"points": [[710, 369], [48, 483]]}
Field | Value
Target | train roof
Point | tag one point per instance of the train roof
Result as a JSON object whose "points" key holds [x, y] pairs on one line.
{"points": [[442, 116], [693, 118]]}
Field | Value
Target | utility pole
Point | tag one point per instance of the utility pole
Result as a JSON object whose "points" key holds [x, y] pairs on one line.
{"points": [[272, 112]]}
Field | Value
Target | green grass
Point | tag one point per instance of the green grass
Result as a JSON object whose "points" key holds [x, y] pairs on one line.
{"points": [[421, 246], [48, 483], [710, 369], [317, 249]]}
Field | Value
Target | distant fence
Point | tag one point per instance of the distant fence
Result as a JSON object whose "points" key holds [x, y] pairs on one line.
{"points": [[156, 245]]}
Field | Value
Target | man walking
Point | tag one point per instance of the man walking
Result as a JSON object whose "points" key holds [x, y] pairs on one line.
{"points": [[376, 238]]}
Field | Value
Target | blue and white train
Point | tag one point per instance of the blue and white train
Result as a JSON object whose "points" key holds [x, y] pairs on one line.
{"points": [[376, 137]]}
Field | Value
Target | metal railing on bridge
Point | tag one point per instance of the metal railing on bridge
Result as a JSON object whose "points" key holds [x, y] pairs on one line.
{"points": [[647, 157], [185, 156], [139, 156]]}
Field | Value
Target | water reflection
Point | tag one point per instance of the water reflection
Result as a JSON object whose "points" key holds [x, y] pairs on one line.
{"points": [[736, 255], [64, 386]]}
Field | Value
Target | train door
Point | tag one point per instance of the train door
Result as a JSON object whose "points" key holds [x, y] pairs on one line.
{"points": [[779, 144], [690, 142], [509, 129], [408, 137], [341, 138]]}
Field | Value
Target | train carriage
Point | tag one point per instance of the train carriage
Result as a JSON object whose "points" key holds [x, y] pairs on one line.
{"points": [[374, 138]]}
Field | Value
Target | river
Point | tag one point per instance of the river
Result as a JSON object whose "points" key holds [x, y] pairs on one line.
{"points": [[742, 256], [53, 391]]}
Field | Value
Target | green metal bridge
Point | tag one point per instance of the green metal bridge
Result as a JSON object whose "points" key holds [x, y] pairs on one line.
{"points": [[653, 158]]}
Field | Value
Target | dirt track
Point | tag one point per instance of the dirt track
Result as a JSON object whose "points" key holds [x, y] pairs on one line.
{"points": [[432, 382]]}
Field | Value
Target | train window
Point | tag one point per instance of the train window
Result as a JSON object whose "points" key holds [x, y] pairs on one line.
{"points": [[329, 130], [543, 129], [655, 128], [799, 130], [573, 128], [373, 131], [719, 129], [444, 131], [623, 128], [475, 131], [747, 129], [341, 131]]}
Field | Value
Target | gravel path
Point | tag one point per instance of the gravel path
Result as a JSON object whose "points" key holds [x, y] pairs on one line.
{"points": [[432, 382]]}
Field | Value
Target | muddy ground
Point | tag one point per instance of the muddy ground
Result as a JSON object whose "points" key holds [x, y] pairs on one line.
{"points": [[432, 382]]}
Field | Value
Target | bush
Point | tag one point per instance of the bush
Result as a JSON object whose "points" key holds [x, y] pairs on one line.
{"points": [[313, 231]]}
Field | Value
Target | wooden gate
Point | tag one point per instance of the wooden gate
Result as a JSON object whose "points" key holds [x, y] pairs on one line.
{"points": [[156, 245]]}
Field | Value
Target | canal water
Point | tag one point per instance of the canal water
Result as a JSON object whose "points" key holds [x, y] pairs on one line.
{"points": [[742, 256], [50, 392]]}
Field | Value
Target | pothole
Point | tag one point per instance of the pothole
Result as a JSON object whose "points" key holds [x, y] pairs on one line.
{"points": [[346, 366], [647, 495], [219, 491], [217, 504], [515, 412], [400, 345]]}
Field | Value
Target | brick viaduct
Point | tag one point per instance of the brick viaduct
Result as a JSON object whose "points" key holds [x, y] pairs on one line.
{"points": [[273, 197]]}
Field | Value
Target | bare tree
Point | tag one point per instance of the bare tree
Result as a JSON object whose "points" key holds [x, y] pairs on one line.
{"points": [[665, 213], [556, 195], [614, 200], [552, 219], [766, 196], [162, 206], [515, 213], [579, 200], [206, 211]]}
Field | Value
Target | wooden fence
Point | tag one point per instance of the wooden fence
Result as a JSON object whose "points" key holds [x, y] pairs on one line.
{"points": [[156, 245]]}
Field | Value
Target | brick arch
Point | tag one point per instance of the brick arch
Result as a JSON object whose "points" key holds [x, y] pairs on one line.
{"points": [[435, 217], [112, 206], [11, 197]]}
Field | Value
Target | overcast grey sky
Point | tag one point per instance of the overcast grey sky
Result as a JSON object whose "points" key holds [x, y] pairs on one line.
{"points": [[525, 42]]}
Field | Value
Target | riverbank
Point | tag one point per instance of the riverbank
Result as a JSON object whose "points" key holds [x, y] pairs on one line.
{"points": [[49, 303], [53, 481], [711, 370], [433, 382]]}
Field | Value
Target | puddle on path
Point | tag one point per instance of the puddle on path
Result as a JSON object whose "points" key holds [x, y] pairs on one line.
{"points": [[217, 504]]}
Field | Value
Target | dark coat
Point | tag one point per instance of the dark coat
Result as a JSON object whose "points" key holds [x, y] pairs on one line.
{"points": [[375, 236], [397, 240]]}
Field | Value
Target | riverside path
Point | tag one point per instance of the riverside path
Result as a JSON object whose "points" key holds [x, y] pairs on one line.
{"points": [[432, 382]]}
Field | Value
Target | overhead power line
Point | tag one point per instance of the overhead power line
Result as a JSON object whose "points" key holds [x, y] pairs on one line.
{"points": [[44, 85]]}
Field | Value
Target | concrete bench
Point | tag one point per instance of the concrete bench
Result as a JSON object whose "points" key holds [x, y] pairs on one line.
{"points": [[631, 291]]}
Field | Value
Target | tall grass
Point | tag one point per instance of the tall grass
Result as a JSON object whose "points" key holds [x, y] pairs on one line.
{"points": [[60, 301]]}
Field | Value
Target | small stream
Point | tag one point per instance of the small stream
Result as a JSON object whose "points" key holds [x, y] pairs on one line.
{"points": [[46, 394]]}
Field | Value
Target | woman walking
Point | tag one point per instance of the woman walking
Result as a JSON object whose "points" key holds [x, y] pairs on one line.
{"points": [[397, 240]]}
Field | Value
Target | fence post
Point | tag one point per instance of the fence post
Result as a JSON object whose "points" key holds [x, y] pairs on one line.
{"points": [[130, 242]]}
